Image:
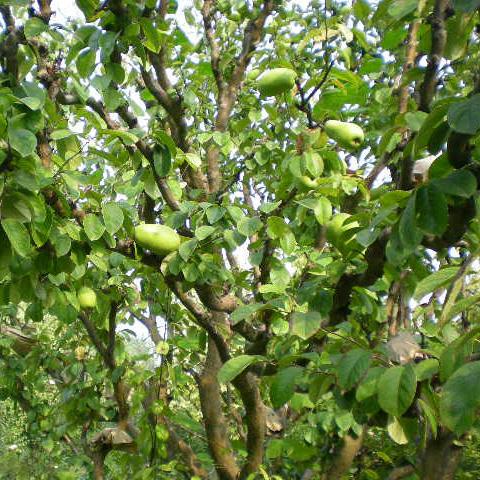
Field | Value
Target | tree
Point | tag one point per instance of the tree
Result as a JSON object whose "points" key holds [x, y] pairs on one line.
{"points": [[323, 289]]}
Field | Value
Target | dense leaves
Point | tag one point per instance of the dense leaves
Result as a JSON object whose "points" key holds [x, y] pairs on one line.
{"points": [[272, 206]]}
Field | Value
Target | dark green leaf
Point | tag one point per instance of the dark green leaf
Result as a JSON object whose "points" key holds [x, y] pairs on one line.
{"points": [[18, 235], [464, 116], [460, 398], [466, 6], [22, 140], [396, 389], [283, 385], [460, 183], [86, 63], [432, 209], [352, 367]]}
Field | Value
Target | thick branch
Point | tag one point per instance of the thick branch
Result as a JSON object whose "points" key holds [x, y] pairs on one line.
{"points": [[93, 334], [439, 40], [216, 425], [208, 13], [410, 54], [344, 457], [112, 326], [255, 418]]}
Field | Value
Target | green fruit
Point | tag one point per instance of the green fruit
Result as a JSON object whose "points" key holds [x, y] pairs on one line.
{"points": [[276, 81], [253, 74], [347, 135], [87, 298], [308, 182], [160, 239]]}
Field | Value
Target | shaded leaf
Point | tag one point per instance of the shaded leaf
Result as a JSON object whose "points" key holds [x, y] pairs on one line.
{"points": [[235, 366], [396, 389]]}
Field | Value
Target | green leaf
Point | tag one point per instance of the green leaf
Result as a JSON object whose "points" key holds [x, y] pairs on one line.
{"points": [[153, 36], [214, 214], [304, 325], [86, 62], [401, 8], [402, 430], [426, 369], [249, 226], [276, 227], [126, 137], [460, 183], [460, 398], [235, 366], [193, 160], [463, 305], [455, 354], [59, 134], [434, 281], [432, 209], [436, 116], [18, 236], [396, 389], [33, 103], [93, 227], [243, 312], [22, 140], [34, 26], [464, 117], [368, 386], [112, 217], [415, 120], [409, 234], [204, 232], [352, 367], [466, 6], [187, 248], [323, 210], [282, 387]]}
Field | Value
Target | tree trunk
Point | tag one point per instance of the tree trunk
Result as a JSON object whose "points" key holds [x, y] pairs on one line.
{"points": [[215, 423], [441, 458], [344, 457], [98, 458]]}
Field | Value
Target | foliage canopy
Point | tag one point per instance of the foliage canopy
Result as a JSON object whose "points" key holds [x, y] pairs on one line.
{"points": [[303, 293]]}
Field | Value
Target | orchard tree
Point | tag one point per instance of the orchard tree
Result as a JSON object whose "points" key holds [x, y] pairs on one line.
{"points": [[283, 193]]}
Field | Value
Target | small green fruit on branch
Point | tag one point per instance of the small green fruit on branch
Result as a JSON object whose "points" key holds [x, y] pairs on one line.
{"points": [[276, 81], [347, 135], [87, 298], [159, 239]]}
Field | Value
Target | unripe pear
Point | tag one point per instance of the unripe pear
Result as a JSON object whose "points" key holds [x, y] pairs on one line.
{"points": [[87, 298], [159, 239], [276, 81], [252, 75], [308, 182], [347, 135]]}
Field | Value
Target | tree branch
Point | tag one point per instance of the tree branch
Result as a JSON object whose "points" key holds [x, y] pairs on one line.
{"points": [[208, 12], [93, 334], [439, 39], [215, 423], [410, 54], [228, 94]]}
